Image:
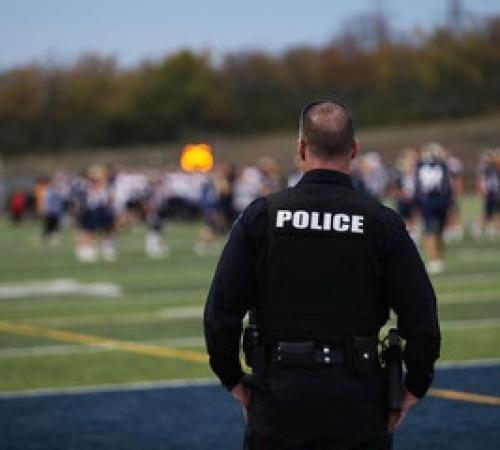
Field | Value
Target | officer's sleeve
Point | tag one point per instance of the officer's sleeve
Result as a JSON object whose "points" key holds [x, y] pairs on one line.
{"points": [[232, 293], [410, 294]]}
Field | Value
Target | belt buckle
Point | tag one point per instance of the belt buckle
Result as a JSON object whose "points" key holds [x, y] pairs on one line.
{"points": [[326, 354], [295, 354]]}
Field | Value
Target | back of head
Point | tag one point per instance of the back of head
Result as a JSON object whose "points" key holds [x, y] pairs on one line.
{"points": [[97, 173], [328, 129], [433, 152]]}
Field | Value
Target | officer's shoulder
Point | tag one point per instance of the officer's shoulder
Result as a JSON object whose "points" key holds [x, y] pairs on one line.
{"points": [[253, 215], [391, 229], [386, 216], [390, 217], [260, 205], [368, 202], [256, 208]]}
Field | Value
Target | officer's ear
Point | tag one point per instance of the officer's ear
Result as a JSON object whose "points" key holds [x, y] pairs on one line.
{"points": [[355, 149], [301, 148]]}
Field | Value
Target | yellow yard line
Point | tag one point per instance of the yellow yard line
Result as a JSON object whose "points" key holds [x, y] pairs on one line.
{"points": [[465, 397], [89, 339]]}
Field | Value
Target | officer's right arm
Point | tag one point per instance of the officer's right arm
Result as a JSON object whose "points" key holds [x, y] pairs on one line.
{"points": [[232, 293], [410, 294]]}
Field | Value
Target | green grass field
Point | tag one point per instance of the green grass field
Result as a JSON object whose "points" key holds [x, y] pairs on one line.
{"points": [[161, 306]]}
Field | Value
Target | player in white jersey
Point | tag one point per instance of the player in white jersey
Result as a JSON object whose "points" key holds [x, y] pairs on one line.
{"points": [[374, 174], [254, 182], [247, 188], [129, 190], [184, 193], [433, 195]]}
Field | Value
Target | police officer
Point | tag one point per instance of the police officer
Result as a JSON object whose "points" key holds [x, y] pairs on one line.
{"points": [[322, 265]]}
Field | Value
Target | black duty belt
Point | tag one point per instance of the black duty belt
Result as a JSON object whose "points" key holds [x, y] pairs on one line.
{"points": [[307, 353]]}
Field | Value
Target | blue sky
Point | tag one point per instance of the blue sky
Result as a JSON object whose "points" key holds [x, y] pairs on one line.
{"points": [[61, 30]]}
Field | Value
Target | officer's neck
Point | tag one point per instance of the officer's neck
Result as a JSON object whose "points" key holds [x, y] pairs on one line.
{"points": [[338, 164]]}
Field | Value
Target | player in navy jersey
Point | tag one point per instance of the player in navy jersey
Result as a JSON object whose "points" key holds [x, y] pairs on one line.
{"points": [[489, 184], [433, 196], [96, 219]]}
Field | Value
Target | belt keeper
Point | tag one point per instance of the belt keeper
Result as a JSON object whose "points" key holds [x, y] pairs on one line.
{"points": [[307, 354]]}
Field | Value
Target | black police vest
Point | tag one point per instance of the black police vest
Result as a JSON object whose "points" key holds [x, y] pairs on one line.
{"points": [[322, 276]]}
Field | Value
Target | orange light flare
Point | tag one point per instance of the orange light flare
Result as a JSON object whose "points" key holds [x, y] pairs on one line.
{"points": [[197, 158]]}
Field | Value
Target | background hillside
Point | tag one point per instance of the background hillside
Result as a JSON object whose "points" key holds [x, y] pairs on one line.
{"points": [[466, 138]]}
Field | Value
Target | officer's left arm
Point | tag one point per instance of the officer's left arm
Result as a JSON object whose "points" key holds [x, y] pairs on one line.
{"points": [[411, 295], [232, 293]]}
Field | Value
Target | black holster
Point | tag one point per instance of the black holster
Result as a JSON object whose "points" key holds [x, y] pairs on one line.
{"points": [[253, 346], [250, 344], [392, 362]]}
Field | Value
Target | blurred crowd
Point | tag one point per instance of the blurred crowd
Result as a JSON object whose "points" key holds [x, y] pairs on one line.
{"points": [[425, 184], [102, 201]]}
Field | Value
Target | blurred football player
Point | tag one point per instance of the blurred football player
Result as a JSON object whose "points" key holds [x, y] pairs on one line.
{"points": [[433, 195], [215, 190], [403, 190], [96, 218], [489, 186], [53, 209], [454, 226], [373, 174]]}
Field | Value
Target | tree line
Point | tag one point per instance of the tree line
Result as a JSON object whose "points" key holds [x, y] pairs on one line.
{"points": [[94, 102]]}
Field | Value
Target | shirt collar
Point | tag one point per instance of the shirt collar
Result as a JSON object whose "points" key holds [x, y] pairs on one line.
{"points": [[327, 176]]}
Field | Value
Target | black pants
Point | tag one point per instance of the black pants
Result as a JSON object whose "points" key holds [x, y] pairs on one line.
{"points": [[255, 442], [51, 224], [317, 409]]}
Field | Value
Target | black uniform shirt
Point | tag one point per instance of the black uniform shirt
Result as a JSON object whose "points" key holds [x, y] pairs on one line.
{"points": [[406, 288]]}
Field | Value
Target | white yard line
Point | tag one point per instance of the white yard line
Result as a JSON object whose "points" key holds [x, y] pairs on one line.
{"points": [[59, 287], [178, 312], [472, 363], [181, 313], [167, 300], [196, 312], [43, 350], [103, 319], [465, 278], [469, 324], [468, 297], [479, 254], [193, 341], [97, 389], [464, 324]]}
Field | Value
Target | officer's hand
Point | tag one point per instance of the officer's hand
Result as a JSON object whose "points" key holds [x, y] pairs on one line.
{"points": [[396, 417], [243, 394]]}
